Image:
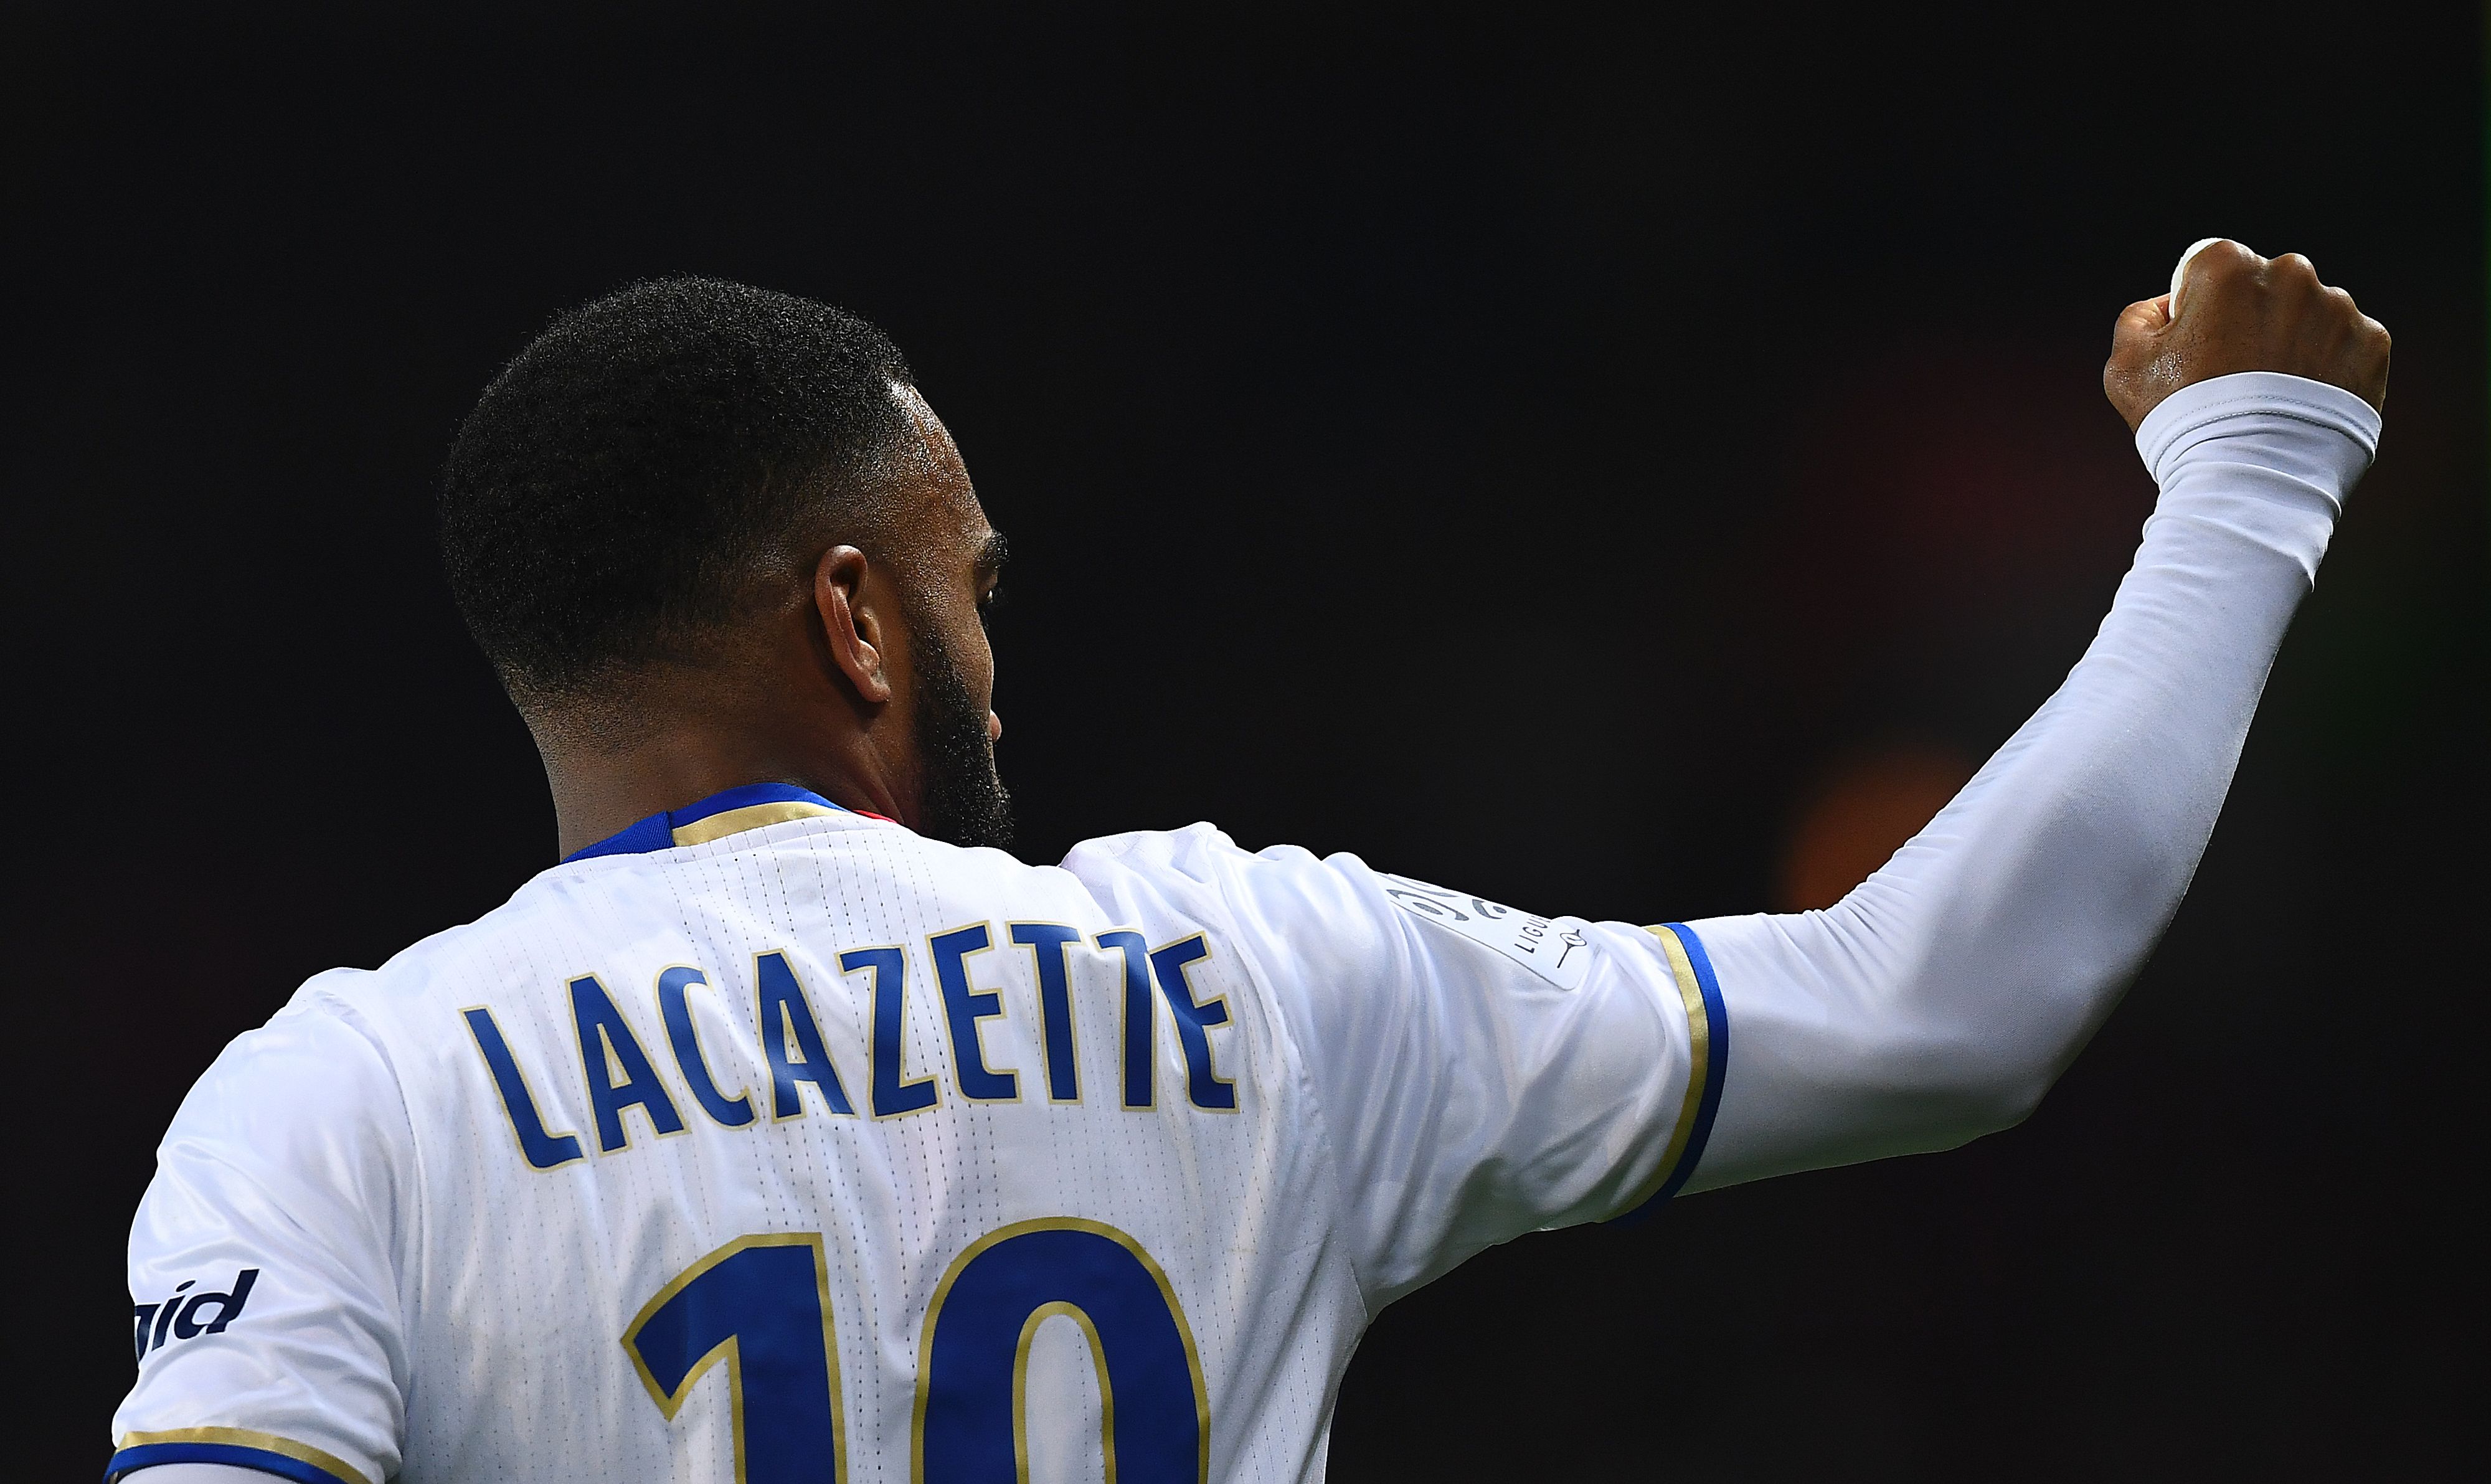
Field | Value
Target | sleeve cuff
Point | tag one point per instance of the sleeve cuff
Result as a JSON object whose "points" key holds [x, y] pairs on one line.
{"points": [[2251, 401], [1707, 1033], [235, 1447]]}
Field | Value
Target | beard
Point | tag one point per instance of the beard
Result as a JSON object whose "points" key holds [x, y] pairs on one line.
{"points": [[965, 801]]}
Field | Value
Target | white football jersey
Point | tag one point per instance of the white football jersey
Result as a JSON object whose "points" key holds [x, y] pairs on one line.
{"points": [[768, 1142]]}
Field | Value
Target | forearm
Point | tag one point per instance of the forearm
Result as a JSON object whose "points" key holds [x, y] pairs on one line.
{"points": [[1941, 997]]}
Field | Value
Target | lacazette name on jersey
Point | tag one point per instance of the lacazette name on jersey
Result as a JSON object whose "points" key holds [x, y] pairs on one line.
{"points": [[615, 1067]]}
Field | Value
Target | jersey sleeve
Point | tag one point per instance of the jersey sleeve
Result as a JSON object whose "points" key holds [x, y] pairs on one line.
{"points": [[1478, 1071], [1940, 999], [266, 1308]]}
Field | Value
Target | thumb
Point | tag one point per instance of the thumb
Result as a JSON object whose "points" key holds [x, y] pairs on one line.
{"points": [[2140, 321], [2127, 376]]}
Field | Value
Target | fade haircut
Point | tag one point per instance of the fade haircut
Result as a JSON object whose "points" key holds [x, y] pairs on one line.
{"points": [[643, 468]]}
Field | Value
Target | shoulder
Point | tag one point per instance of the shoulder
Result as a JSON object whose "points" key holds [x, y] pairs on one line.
{"points": [[550, 914], [318, 1049], [1196, 851], [306, 1109], [1294, 904]]}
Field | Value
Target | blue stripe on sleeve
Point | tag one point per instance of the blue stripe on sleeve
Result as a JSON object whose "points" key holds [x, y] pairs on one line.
{"points": [[148, 1455], [1716, 1060]]}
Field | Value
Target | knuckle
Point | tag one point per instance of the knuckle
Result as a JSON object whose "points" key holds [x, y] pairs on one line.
{"points": [[2233, 255], [2229, 257]]}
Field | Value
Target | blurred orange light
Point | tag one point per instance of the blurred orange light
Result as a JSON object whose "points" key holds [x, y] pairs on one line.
{"points": [[1862, 811]]}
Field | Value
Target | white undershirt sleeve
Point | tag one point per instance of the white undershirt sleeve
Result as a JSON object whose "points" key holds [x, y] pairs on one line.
{"points": [[1940, 999]]}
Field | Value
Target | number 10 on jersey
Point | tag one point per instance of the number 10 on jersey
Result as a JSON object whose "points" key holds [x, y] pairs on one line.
{"points": [[762, 1304]]}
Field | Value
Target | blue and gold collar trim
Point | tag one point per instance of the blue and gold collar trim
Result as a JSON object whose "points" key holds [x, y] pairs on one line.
{"points": [[715, 818]]}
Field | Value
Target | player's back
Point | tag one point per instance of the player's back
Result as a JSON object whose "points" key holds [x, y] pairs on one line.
{"points": [[925, 1126], [776, 1142]]}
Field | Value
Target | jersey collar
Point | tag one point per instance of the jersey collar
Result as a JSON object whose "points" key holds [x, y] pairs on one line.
{"points": [[720, 814]]}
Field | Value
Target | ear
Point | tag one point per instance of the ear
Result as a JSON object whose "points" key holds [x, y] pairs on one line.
{"points": [[853, 627]]}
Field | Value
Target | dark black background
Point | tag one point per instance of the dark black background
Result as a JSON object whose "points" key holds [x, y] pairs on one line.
{"points": [[1541, 452]]}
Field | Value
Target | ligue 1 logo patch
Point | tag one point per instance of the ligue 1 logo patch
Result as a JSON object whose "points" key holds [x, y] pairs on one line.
{"points": [[1555, 949]]}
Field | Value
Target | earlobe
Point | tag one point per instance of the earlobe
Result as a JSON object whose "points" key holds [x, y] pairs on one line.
{"points": [[852, 629]]}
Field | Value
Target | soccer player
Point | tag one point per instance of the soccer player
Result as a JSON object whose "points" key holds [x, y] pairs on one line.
{"points": [[790, 1129]]}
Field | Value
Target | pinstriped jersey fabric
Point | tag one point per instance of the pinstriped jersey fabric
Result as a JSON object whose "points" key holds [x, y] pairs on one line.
{"points": [[821, 1150]]}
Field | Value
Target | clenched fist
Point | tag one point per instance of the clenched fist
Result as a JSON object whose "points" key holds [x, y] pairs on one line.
{"points": [[2242, 312]]}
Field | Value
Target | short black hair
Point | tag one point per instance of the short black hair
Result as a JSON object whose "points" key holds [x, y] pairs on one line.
{"points": [[624, 482]]}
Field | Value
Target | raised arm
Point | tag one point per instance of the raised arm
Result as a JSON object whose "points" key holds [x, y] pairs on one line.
{"points": [[1940, 999]]}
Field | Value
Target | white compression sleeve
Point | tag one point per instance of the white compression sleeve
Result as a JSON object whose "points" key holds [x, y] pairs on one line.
{"points": [[1940, 999]]}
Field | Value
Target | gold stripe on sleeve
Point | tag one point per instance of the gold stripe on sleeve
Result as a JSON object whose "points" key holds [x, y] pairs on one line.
{"points": [[245, 1438], [1699, 1064]]}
